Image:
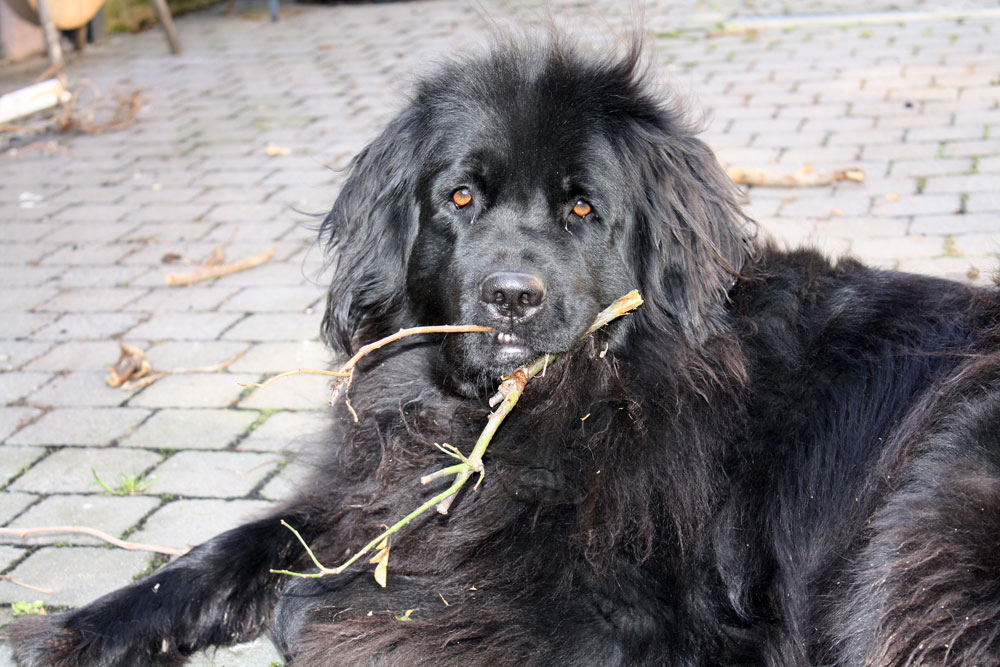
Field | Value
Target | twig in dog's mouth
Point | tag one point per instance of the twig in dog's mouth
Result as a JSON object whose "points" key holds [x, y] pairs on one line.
{"points": [[504, 401]]}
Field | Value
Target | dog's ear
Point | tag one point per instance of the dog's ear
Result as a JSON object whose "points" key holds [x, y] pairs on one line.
{"points": [[692, 239], [369, 232]]}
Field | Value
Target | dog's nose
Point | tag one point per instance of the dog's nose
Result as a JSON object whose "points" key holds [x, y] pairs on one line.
{"points": [[514, 295]]}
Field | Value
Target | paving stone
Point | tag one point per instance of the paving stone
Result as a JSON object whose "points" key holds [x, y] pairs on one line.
{"points": [[191, 429], [186, 523], [25, 298], [213, 474], [298, 392], [275, 326], [73, 355], [202, 354], [194, 390], [20, 325], [79, 426], [70, 470], [13, 460], [93, 299], [297, 298], [9, 555], [982, 202], [76, 575], [917, 205], [12, 504], [110, 514], [184, 326], [18, 384], [13, 418], [16, 354], [288, 482], [281, 357], [258, 653], [89, 326], [297, 431], [954, 224], [182, 299]]}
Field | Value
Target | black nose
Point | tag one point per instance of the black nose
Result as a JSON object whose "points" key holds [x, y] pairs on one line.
{"points": [[515, 295]]}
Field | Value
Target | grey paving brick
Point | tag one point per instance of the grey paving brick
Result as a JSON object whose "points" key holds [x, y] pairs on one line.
{"points": [[13, 418], [965, 183], [281, 357], [182, 299], [287, 298], [299, 431], [213, 474], [25, 298], [184, 326], [955, 224], [299, 392], [87, 326], [70, 470], [79, 426], [15, 275], [275, 327], [80, 389], [110, 514], [191, 429], [9, 555], [201, 354], [16, 385], [917, 205], [983, 202], [258, 653], [935, 167], [186, 523], [288, 482], [71, 355], [12, 504], [92, 299], [825, 206], [15, 354], [971, 147], [14, 460], [194, 390], [910, 247], [76, 575], [21, 324]]}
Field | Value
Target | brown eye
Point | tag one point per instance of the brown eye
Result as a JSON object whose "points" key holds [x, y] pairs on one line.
{"points": [[461, 197], [581, 208]]}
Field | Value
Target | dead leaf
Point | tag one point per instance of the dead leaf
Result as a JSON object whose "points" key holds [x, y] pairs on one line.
{"points": [[171, 258], [132, 364], [406, 616], [892, 198], [381, 562], [274, 150]]}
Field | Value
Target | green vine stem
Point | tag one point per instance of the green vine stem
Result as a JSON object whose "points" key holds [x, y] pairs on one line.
{"points": [[506, 398]]}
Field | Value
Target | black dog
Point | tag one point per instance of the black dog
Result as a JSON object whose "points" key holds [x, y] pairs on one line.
{"points": [[774, 461]]}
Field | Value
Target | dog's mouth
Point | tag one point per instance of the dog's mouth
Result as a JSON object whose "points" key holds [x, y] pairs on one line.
{"points": [[512, 349]]}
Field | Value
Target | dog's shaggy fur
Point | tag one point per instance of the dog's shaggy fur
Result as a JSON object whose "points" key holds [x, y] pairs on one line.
{"points": [[777, 461]]}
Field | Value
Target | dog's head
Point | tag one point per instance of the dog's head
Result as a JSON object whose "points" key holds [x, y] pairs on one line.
{"points": [[526, 190]]}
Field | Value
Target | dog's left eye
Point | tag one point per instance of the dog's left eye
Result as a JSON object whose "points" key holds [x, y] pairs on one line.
{"points": [[461, 197], [582, 208]]}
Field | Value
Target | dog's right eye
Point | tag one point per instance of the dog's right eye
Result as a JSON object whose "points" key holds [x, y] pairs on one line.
{"points": [[461, 197]]}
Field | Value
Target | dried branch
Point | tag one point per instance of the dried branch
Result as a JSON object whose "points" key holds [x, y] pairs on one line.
{"points": [[219, 270], [24, 585], [506, 398], [24, 533], [346, 372], [804, 177]]}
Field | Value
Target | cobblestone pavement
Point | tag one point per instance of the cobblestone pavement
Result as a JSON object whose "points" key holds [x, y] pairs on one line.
{"points": [[903, 90]]}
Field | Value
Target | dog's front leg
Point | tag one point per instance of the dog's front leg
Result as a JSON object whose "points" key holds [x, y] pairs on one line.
{"points": [[221, 592]]}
